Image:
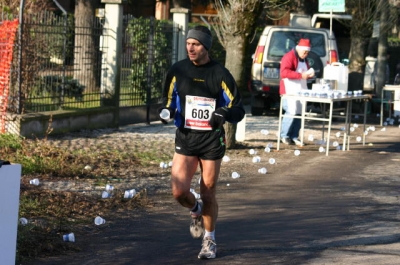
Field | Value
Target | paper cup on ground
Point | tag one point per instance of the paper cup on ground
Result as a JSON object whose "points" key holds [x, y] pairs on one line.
{"points": [[272, 161], [69, 237], [23, 221], [128, 194], [263, 170], [226, 158], [34, 182], [235, 175], [105, 195], [109, 187], [99, 220]]}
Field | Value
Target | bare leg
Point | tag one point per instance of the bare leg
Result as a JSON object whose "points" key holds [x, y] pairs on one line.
{"points": [[210, 171], [183, 170]]}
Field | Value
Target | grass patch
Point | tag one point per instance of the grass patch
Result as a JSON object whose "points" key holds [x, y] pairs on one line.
{"points": [[52, 213]]}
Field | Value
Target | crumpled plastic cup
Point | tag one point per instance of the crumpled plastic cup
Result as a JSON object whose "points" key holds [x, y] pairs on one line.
{"points": [[99, 220], [235, 175], [128, 194], [263, 170], [23, 221], [165, 114], [226, 159], [69, 237], [34, 182]]}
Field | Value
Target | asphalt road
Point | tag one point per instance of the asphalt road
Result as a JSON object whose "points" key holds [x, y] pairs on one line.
{"points": [[311, 209]]}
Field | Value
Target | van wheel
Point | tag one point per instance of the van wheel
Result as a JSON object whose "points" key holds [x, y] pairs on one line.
{"points": [[315, 62]]}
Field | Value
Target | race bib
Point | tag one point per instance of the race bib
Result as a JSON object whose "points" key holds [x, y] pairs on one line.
{"points": [[198, 112]]}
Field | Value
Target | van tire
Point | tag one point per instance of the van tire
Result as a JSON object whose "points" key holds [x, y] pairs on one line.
{"points": [[314, 61]]}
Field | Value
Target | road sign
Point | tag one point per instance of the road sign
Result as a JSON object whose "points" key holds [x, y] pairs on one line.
{"points": [[331, 5]]}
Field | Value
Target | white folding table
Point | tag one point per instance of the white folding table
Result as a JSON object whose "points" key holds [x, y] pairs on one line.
{"points": [[330, 101]]}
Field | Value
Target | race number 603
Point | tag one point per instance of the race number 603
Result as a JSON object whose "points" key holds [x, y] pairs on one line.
{"points": [[200, 114]]}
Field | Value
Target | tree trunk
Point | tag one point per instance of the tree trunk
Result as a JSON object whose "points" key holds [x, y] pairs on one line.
{"points": [[85, 59], [235, 24], [235, 53], [382, 46], [357, 62], [235, 56]]}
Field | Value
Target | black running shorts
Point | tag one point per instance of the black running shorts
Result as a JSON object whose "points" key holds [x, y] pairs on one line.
{"points": [[207, 145]]}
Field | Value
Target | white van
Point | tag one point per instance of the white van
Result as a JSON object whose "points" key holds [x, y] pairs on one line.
{"points": [[274, 42]]}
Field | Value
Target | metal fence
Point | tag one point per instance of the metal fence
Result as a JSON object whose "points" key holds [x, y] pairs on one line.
{"points": [[147, 54], [58, 63]]}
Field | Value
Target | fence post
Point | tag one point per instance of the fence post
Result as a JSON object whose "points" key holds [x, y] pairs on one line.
{"points": [[110, 85], [181, 18], [150, 63]]}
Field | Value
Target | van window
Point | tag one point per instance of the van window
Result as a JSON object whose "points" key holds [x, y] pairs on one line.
{"points": [[284, 41]]}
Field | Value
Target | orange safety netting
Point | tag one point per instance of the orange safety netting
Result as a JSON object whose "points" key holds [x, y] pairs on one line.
{"points": [[8, 31]]}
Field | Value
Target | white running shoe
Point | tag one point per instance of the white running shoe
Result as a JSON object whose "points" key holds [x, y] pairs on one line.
{"points": [[196, 225], [208, 249], [298, 142]]}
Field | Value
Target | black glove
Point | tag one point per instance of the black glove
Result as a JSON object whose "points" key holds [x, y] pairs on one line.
{"points": [[171, 114], [218, 118]]}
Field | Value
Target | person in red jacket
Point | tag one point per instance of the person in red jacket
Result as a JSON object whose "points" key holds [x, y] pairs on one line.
{"points": [[294, 73]]}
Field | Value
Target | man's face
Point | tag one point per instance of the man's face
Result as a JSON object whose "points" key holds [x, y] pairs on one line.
{"points": [[196, 51], [302, 53]]}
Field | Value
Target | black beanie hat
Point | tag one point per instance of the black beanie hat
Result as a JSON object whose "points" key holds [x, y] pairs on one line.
{"points": [[202, 34]]}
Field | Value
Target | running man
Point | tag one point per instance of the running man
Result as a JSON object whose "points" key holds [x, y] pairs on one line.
{"points": [[201, 95]]}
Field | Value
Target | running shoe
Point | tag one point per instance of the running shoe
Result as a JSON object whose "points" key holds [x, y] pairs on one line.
{"points": [[208, 249], [297, 142], [285, 141], [196, 225]]}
